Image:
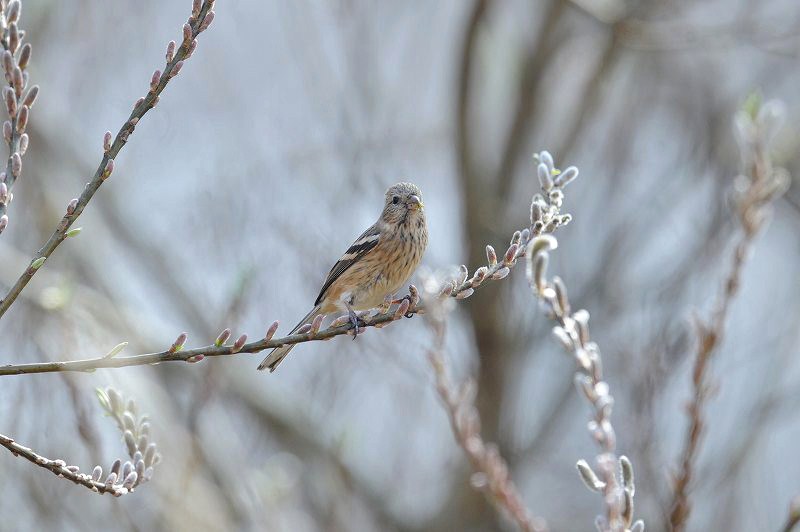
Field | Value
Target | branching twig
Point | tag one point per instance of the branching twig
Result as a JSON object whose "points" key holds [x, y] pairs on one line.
{"points": [[756, 126], [18, 103], [200, 19], [123, 478]]}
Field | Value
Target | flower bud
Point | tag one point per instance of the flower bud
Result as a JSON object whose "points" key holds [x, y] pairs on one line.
{"points": [[154, 79], [177, 68], [239, 343], [22, 119], [491, 256], [401, 310], [23, 143], [209, 18], [170, 55], [24, 56], [222, 338], [179, 342], [109, 169], [30, 98], [16, 164], [271, 331]]}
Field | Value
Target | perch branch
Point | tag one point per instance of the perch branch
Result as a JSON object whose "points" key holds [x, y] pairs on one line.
{"points": [[460, 288]]}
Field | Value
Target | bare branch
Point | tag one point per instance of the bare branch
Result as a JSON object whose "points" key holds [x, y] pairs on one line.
{"points": [[176, 55]]}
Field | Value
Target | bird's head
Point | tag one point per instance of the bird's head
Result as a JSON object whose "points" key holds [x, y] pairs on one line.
{"points": [[403, 202]]}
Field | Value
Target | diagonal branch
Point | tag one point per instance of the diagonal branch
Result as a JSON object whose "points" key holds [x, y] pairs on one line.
{"points": [[201, 18]]}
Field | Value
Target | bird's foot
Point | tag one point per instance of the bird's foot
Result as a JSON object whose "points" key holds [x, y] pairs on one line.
{"points": [[354, 320]]}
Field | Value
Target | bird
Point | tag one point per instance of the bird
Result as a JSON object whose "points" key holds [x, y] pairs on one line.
{"points": [[375, 266]]}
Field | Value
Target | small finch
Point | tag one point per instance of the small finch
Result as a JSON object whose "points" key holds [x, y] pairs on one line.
{"points": [[378, 263]]}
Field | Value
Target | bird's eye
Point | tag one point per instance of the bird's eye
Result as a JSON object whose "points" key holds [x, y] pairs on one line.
{"points": [[396, 199]]}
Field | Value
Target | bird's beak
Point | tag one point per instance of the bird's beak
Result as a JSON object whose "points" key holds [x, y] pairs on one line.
{"points": [[415, 204]]}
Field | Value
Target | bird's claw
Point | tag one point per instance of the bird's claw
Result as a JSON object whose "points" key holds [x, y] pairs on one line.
{"points": [[354, 321]]}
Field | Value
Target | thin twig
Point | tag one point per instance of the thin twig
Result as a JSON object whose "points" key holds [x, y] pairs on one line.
{"points": [[200, 19], [763, 184], [491, 470], [57, 467]]}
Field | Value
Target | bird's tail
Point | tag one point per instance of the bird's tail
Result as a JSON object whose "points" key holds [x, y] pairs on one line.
{"points": [[279, 353]]}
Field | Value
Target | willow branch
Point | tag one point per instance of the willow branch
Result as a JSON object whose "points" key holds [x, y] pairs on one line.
{"points": [[200, 19], [122, 478], [762, 185], [572, 330], [15, 58]]}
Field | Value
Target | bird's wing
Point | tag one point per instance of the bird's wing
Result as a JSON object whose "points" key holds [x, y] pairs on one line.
{"points": [[363, 244]]}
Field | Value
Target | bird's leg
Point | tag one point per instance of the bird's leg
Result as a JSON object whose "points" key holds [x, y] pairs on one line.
{"points": [[353, 319]]}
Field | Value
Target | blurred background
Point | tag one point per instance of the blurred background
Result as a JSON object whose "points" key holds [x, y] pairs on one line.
{"points": [[270, 153]]}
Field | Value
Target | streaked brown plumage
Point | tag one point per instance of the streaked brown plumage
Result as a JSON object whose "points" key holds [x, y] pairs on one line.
{"points": [[377, 264]]}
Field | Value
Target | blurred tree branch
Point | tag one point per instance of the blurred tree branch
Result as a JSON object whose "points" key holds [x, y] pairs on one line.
{"points": [[756, 127]]}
